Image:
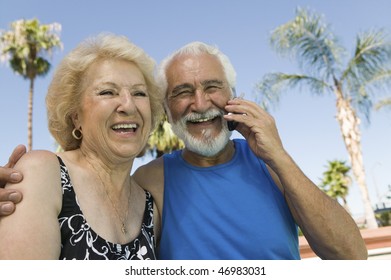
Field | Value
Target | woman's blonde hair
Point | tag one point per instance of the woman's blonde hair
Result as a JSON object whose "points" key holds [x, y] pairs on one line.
{"points": [[65, 91]]}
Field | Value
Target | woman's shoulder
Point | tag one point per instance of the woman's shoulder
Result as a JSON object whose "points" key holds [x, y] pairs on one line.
{"points": [[39, 158], [39, 166], [41, 179]]}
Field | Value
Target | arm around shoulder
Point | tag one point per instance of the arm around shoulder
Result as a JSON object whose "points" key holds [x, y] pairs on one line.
{"points": [[151, 178], [33, 231]]}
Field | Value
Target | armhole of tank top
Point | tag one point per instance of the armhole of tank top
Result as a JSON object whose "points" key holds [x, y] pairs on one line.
{"points": [[61, 166], [269, 176]]}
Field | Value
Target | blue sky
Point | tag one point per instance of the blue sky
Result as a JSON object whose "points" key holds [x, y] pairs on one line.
{"points": [[241, 29]]}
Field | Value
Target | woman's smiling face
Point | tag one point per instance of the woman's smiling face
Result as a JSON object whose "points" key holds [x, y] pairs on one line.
{"points": [[115, 114]]}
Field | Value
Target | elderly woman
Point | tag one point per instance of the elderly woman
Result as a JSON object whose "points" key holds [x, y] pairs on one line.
{"points": [[83, 203]]}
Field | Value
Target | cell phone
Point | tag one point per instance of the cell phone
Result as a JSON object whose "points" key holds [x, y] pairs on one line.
{"points": [[232, 124]]}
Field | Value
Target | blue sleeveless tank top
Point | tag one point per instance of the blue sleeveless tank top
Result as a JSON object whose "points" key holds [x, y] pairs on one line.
{"points": [[228, 211]]}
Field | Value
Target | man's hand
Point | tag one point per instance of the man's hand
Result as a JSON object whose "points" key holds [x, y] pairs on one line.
{"points": [[258, 127], [9, 197]]}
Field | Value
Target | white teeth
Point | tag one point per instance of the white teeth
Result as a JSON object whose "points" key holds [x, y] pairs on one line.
{"points": [[201, 120], [125, 126]]}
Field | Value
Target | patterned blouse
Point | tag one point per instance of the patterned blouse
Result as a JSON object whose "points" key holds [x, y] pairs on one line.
{"points": [[79, 241]]}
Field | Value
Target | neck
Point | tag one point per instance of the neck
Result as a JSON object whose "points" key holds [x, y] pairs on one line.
{"points": [[223, 156], [112, 174]]}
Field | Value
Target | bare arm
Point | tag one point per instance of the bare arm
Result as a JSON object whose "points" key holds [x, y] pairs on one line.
{"points": [[151, 178], [329, 229], [33, 231], [9, 197]]}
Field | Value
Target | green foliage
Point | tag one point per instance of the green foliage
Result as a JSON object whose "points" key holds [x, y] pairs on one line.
{"points": [[273, 84], [384, 218], [325, 63], [336, 180], [163, 140], [26, 45], [385, 103], [308, 39]]}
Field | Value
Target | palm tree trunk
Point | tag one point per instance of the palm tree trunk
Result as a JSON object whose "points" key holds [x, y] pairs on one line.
{"points": [[349, 125], [30, 117]]}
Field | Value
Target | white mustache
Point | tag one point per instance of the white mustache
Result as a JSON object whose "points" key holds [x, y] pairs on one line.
{"points": [[208, 115]]}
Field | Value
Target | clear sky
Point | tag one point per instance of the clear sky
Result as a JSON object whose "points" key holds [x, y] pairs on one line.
{"points": [[241, 29]]}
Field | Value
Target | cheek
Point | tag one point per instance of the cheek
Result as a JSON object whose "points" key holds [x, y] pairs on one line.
{"points": [[145, 112], [221, 99], [95, 122], [177, 109]]}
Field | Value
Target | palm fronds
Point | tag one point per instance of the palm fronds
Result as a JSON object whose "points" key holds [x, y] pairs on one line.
{"points": [[308, 39]]}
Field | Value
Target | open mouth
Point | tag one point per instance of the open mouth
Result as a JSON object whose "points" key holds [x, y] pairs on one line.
{"points": [[203, 120], [123, 128]]}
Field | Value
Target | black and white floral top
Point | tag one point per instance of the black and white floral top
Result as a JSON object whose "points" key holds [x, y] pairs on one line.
{"points": [[80, 242]]}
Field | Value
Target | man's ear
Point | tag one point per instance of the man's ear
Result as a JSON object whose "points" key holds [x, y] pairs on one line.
{"points": [[167, 114]]}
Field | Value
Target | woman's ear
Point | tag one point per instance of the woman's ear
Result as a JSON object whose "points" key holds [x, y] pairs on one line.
{"points": [[76, 120]]}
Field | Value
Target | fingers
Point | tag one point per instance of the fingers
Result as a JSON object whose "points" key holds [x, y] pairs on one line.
{"points": [[242, 106], [6, 208], [7, 173], [10, 195], [245, 111], [254, 122], [8, 198], [17, 153]]}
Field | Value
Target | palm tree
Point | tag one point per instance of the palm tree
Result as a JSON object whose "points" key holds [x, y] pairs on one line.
{"points": [[163, 140], [25, 47], [385, 103], [336, 181], [319, 54]]}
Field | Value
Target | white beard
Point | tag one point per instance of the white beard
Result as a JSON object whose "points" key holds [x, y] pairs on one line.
{"points": [[208, 145]]}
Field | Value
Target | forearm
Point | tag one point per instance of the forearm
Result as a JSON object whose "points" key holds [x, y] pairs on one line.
{"points": [[329, 229]]}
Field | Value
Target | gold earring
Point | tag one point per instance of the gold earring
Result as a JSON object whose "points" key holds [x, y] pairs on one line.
{"points": [[77, 137]]}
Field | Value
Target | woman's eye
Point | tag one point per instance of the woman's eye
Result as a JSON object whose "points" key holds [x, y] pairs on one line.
{"points": [[106, 92], [140, 93]]}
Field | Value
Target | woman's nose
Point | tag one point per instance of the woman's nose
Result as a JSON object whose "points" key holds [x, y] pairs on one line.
{"points": [[126, 104]]}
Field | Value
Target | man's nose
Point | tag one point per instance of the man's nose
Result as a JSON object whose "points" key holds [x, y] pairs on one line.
{"points": [[201, 101]]}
